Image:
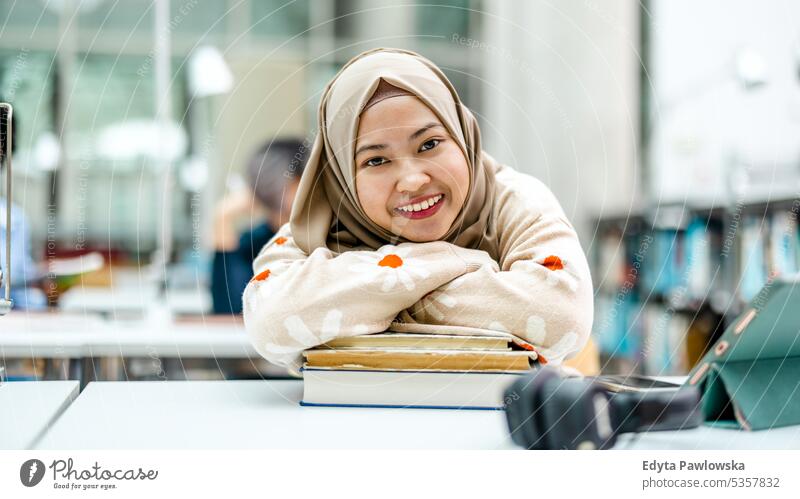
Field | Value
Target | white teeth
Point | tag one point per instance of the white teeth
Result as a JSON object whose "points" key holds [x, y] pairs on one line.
{"points": [[423, 205]]}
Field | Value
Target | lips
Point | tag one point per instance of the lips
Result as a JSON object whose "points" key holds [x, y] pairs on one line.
{"points": [[430, 211], [419, 200]]}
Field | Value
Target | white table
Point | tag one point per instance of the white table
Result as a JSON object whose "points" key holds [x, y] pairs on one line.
{"points": [[133, 296], [255, 414], [28, 408], [30, 335], [706, 437], [89, 347], [266, 414]]}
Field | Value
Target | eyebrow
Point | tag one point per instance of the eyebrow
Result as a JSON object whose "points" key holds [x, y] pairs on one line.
{"points": [[423, 130], [415, 135]]}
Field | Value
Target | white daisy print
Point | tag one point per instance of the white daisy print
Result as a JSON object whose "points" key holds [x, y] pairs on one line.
{"points": [[259, 291], [390, 266], [536, 334], [535, 330], [297, 329], [499, 326], [331, 328], [562, 347], [436, 301]]}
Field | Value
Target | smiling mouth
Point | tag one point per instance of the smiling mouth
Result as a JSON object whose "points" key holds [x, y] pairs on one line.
{"points": [[430, 211]]}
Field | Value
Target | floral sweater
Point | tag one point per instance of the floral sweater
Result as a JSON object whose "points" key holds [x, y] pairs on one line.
{"points": [[540, 289]]}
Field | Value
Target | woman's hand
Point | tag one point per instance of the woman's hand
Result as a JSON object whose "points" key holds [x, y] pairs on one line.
{"points": [[232, 208]]}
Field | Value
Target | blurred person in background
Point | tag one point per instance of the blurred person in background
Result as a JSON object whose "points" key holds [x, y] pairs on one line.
{"points": [[273, 175], [26, 275]]}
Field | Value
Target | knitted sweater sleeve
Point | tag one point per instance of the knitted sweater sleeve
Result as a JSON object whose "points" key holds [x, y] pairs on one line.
{"points": [[296, 300], [543, 289]]}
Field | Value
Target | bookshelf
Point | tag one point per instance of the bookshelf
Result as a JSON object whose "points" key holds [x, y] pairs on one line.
{"points": [[670, 278]]}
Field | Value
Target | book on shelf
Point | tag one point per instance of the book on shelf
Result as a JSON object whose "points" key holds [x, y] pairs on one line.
{"points": [[783, 244], [752, 262], [413, 370], [665, 293]]}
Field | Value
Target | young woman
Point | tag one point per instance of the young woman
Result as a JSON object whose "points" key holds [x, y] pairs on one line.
{"points": [[402, 222]]}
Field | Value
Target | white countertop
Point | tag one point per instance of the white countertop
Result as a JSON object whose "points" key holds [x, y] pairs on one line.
{"points": [[28, 408], [266, 414], [255, 414], [55, 335]]}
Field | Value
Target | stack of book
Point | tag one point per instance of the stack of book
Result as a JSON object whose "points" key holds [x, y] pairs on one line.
{"points": [[414, 370]]}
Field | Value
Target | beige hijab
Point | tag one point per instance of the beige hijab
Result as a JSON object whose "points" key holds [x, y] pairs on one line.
{"points": [[326, 211]]}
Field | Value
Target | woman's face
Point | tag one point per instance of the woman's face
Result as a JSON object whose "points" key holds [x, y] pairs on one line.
{"points": [[405, 158]]}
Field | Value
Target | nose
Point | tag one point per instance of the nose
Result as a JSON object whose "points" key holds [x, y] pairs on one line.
{"points": [[413, 176]]}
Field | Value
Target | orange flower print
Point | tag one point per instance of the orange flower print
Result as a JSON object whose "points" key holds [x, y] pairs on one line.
{"points": [[391, 260], [262, 276], [390, 265], [559, 271], [564, 276], [280, 240], [553, 262]]}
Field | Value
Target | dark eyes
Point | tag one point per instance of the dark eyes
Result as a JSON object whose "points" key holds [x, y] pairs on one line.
{"points": [[426, 146], [374, 162], [430, 144]]}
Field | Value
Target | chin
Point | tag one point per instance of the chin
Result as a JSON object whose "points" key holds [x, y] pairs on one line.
{"points": [[425, 238], [419, 239], [418, 236]]}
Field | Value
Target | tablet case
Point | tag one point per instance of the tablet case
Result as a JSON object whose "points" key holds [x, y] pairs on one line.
{"points": [[750, 379]]}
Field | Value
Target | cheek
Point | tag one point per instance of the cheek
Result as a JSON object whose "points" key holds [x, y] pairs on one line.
{"points": [[371, 195], [457, 172]]}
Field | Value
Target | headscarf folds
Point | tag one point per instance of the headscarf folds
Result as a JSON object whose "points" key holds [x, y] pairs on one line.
{"points": [[326, 211]]}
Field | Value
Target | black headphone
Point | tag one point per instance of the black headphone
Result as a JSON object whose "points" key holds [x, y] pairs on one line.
{"points": [[547, 411]]}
